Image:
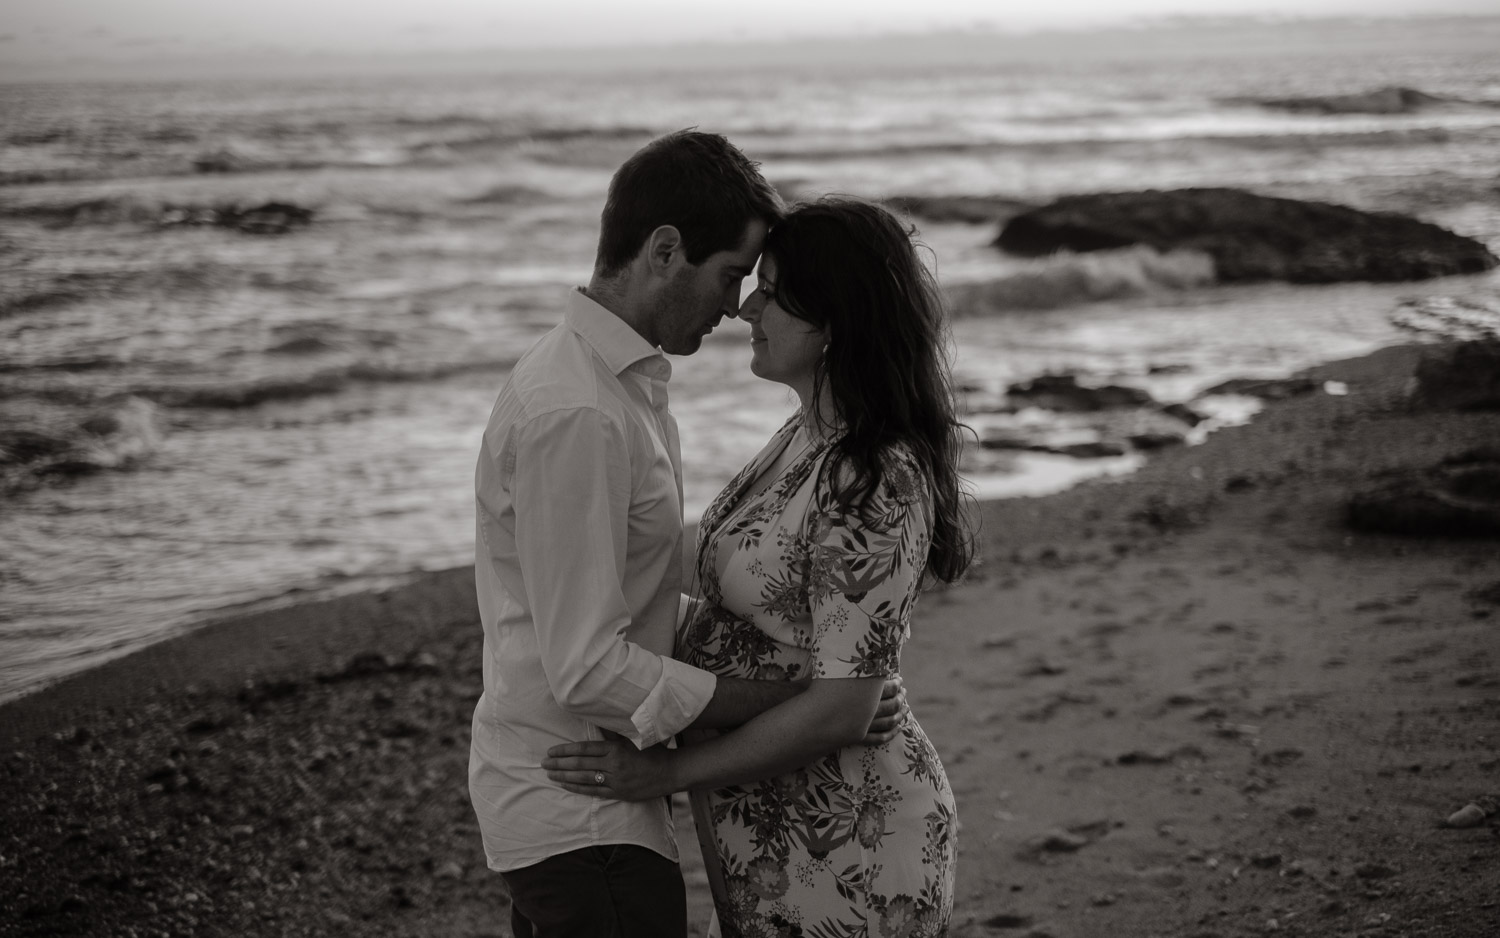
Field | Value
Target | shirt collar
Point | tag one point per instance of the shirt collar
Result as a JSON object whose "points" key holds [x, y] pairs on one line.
{"points": [[612, 339]]}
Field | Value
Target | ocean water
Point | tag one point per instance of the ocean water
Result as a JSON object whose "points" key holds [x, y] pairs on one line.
{"points": [[195, 416]]}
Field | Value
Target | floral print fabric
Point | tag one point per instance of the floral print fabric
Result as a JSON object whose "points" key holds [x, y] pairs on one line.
{"points": [[862, 842]]}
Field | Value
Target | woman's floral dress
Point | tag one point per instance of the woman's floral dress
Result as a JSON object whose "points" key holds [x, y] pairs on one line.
{"points": [[860, 843]]}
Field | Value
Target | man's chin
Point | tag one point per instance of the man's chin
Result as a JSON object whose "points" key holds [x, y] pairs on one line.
{"points": [[683, 345]]}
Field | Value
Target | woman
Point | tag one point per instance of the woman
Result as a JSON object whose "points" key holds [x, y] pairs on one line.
{"points": [[809, 564]]}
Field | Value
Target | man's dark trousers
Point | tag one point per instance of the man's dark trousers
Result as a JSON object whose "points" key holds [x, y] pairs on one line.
{"points": [[606, 891]]}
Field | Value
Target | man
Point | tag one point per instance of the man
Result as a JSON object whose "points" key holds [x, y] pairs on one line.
{"points": [[579, 548]]}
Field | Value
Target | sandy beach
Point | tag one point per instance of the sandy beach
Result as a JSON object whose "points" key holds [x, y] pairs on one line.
{"points": [[1192, 702]]}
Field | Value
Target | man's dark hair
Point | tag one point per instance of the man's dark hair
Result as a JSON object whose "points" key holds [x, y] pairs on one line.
{"points": [[699, 183]]}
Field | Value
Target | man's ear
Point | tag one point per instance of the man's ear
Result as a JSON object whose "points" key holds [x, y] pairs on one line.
{"points": [[664, 249]]}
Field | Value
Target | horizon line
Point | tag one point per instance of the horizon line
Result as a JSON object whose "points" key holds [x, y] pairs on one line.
{"points": [[709, 52]]}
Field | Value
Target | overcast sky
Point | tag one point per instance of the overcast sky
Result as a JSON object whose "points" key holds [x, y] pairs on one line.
{"points": [[130, 28]]}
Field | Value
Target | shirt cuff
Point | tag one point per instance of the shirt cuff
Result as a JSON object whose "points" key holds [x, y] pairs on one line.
{"points": [[679, 696]]}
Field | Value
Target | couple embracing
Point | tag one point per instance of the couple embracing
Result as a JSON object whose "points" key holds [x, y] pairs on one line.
{"points": [[766, 685]]}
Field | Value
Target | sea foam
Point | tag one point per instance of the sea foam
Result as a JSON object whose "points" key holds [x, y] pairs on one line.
{"points": [[1067, 278]]}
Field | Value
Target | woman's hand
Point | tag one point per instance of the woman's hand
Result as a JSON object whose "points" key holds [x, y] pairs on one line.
{"points": [[611, 768], [891, 715]]}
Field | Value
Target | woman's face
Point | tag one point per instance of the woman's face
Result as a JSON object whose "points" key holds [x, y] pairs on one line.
{"points": [[783, 348]]}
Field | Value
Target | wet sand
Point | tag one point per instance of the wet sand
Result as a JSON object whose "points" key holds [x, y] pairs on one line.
{"points": [[1188, 703]]}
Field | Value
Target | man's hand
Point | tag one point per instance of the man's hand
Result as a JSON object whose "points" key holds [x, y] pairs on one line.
{"points": [[891, 715]]}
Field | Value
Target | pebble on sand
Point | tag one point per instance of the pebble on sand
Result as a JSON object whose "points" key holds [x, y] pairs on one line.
{"points": [[1470, 815]]}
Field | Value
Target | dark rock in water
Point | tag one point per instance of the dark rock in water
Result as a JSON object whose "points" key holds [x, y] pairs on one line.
{"points": [[1392, 99], [509, 195], [1184, 413], [269, 218], [1459, 497], [221, 161], [303, 345], [1250, 237], [68, 467], [1102, 449], [1088, 449], [99, 211], [1064, 393], [1154, 441], [974, 209], [1005, 441], [1461, 377], [101, 424], [1267, 389], [23, 444]]}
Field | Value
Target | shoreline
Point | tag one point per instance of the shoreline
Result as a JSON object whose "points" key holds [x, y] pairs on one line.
{"points": [[1039, 474], [1187, 701]]}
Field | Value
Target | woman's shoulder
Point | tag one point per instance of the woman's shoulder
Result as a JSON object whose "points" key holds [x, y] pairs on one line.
{"points": [[900, 479]]}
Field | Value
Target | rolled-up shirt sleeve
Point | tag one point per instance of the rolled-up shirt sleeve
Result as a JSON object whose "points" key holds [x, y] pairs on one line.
{"points": [[571, 487]]}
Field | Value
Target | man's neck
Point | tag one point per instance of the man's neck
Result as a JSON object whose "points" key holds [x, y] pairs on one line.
{"points": [[614, 295]]}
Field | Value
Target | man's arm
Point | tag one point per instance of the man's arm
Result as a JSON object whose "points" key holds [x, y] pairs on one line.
{"points": [[570, 488]]}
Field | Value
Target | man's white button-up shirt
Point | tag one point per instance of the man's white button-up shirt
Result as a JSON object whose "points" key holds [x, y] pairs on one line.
{"points": [[578, 564]]}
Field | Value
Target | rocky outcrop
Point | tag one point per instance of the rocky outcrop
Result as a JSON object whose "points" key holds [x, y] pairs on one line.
{"points": [[1461, 377], [1064, 393], [1392, 99], [1459, 497], [1267, 389], [1086, 422], [1250, 237], [222, 161]]}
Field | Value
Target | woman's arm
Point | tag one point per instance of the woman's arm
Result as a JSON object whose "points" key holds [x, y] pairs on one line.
{"points": [[864, 569], [736, 701], [828, 716]]}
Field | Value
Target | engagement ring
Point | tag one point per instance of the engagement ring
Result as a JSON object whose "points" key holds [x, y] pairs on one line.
{"points": [[598, 778]]}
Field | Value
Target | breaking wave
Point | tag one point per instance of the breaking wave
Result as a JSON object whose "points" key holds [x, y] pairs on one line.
{"points": [[48, 406], [1467, 318], [1069, 279], [235, 394]]}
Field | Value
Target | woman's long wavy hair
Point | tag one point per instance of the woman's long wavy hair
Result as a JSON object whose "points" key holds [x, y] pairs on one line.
{"points": [[852, 267]]}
